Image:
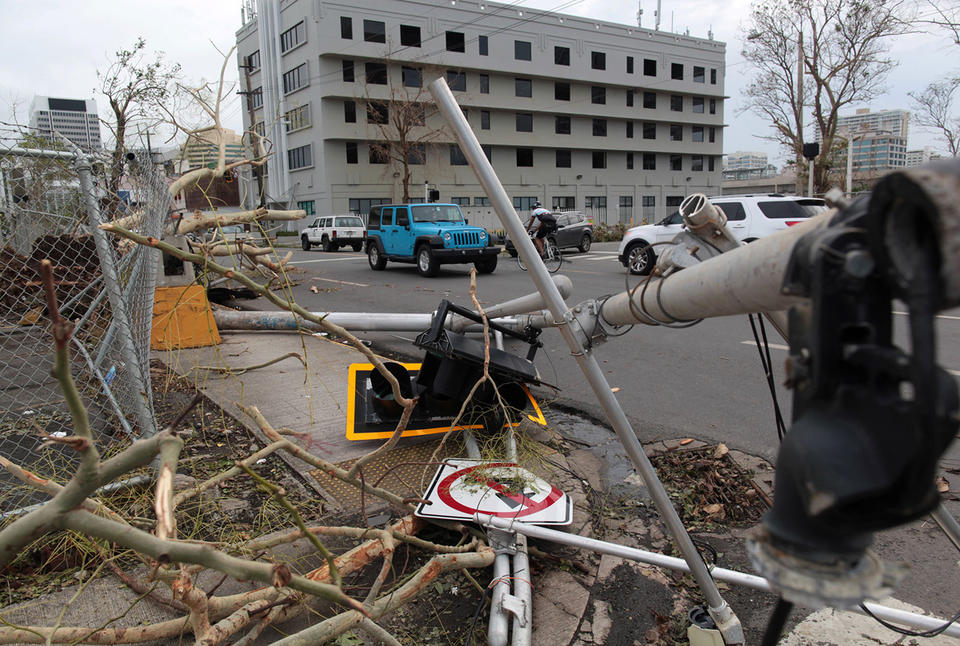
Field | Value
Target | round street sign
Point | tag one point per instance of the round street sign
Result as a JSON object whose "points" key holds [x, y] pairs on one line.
{"points": [[463, 488]]}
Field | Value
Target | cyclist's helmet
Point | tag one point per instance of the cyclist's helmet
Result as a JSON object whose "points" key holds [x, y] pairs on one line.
{"points": [[537, 205]]}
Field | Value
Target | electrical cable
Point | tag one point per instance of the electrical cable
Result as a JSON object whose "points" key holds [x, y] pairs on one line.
{"points": [[778, 619], [763, 347], [933, 632], [476, 615]]}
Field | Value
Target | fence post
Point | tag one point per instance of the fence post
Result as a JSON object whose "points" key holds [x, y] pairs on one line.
{"points": [[111, 282]]}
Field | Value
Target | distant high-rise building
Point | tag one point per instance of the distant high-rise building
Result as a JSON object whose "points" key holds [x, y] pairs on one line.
{"points": [[879, 139], [920, 157], [75, 119], [202, 148], [747, 165]]}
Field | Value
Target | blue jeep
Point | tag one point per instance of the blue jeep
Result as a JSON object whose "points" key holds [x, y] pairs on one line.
{"points": [[429, 235]]}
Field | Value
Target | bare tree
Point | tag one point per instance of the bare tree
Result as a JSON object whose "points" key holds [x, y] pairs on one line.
{"points": [[841, 46], [934, 108], [403, 125], [134, 85]]}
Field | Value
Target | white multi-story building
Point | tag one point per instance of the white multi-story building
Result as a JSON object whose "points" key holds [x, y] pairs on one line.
{"points": [[578, 113], [920, 157], [75, 119], [879, 139], [747, 165]]}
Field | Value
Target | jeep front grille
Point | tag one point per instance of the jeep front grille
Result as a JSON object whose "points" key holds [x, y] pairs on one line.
{"points": [[466, 239]]}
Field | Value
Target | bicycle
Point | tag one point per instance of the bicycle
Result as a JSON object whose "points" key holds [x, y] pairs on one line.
{"points": [[551, 256]]}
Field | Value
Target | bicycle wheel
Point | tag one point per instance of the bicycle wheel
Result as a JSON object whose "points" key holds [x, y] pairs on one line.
{"points": [[552, 258], [520, 264]]}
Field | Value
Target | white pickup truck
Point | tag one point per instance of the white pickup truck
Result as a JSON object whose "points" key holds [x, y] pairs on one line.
{"points": [[334, 231]]}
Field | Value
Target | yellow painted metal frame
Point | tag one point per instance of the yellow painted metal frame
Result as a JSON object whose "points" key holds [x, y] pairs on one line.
{"points": [[352, 434]]}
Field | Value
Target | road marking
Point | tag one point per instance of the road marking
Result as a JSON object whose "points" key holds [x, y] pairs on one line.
{"points": [[939, 316], [304, 262], [593, 257], [342, 282], [779, 346]]}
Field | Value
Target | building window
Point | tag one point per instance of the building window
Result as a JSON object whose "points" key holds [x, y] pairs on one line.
{"points": [[712, 137], [484, 84], [599, 159], [649, 130], [713, 76], [460, 201], [629, 164], [457, 158], [629, 64], [292, 37], [301, 157], [676, 132], [378, 112], [378, 153], [599, 127], [351, 149], [650, 100], [298, 118], [521, 50], [484, 119], [649, 161], [564, 158], [676, 163], [710, 163], [561, 91], [296, 79], [307, 206], [629, 129], [346, 27], [598, 60], [412, 77], [376, 73], [598, 94], [699, 75], [457, 80], [595, 202], [564, 203], [455, 42], [673, 200], [629, 98], [696, 162], [713, 106], [488, 152], [484, 46], [561, 124], [676, 71], [524, 203], [259, 128], [348, 72], [676, 103], [524, 158], [374, 31], [416, 114], [409, 36], [698, 104], [256, 98], [524, 122], [524, 87], [481, 201], [253, 61], [561, 55], [649, 67], [696, 134], [361, 206]]}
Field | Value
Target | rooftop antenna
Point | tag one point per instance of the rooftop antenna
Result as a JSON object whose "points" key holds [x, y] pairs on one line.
{"points": [[656, 25], [710, 33], [639, 13]]}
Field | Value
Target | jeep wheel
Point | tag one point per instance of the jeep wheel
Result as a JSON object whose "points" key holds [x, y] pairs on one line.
{"points": [[427, 263], [325, 244], [486, 266], [585, 243], [640, 258], [334, 246], [357, 246], [374, 257], [305, 243]]}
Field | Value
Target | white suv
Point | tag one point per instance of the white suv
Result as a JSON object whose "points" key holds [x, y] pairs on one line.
{"points": [[334, 231], [748, 217]]}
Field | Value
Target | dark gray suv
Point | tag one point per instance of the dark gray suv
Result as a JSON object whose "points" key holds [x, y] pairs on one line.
{"points": [[573, 230]]}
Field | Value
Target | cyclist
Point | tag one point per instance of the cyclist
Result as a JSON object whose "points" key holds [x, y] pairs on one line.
{"points": [[545, 225]]}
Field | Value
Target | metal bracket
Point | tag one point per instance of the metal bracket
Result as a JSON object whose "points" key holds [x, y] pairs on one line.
{"points": [[515, 606]]}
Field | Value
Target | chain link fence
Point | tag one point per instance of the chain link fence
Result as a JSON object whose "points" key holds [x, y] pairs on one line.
{"points": [[52, 197]]}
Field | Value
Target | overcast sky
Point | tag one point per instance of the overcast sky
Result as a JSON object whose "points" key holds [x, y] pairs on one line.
{"points": [[55, 47]]}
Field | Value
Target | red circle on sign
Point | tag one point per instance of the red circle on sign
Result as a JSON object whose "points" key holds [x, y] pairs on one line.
{"points": [[443, 491]]}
